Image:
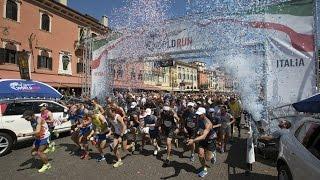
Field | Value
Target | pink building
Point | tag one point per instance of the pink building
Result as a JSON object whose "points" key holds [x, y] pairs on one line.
{"points": [[50, 32]]}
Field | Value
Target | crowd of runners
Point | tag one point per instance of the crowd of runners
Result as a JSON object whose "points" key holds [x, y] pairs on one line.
{"points": [[200, 123]]}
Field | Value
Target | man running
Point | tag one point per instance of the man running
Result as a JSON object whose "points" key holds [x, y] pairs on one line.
{"points": [[150, 122], [119, 134], [225, 119], [48, 117], [205, 138], [102, 131], [42, 134], [190, 126], [169, 124]]}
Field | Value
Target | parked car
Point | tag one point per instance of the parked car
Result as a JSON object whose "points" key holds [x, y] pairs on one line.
{"points": [[299, 151], [11, 123]]}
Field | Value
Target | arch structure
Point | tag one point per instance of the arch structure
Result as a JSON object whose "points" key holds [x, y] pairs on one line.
{"points": [[279, 37]]}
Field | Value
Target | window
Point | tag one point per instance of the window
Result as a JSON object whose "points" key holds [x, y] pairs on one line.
{"points": [[45, 22], [18, 108], [133, 75], [65, 62], [55, 107], [44, 60], [119, 73], [191, 77], [12, 10], [179, 76], [11, 54]]}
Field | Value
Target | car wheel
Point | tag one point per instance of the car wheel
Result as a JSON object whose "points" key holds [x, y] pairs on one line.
{"points": [[284, 173], [6, 143]]}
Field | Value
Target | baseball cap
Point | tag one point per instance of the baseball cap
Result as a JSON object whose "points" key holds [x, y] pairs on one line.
{"points": [[211, 110], [133, 105], [166, 108], [43, 106], [190, 104], [201, 111], [148, 111]]}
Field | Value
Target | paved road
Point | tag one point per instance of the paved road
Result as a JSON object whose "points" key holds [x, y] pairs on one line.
{"points": [[231, 165]]}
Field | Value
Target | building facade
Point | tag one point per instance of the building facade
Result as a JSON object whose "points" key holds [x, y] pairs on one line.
{"points": [[51, 33], [185, 77]]}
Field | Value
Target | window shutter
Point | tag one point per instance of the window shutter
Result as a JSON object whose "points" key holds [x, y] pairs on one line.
{"points": [[2, 56], [50, 63], [39, 62]]}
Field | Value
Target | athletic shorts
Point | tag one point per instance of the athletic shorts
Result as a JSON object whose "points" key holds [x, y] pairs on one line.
{"points": [[209, 145], [169, 132], [84, 131], [226, 130], [100, 137], [191, 133], [124, 137], [238, 120], [154, 134], [41, 142]]}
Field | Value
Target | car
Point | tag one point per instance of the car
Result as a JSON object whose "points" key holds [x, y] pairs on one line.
{"points": [[12, 123], [299, 150]]}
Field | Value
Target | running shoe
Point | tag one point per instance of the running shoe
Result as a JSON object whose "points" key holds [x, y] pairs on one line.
{"points": [[133, 147], [203, 173], [85, 156], [56, 134], [214, 157], [117, 164], [101, 158], [155, 152], [44, 168], [176, 142], [192, 158], [167, 162]]}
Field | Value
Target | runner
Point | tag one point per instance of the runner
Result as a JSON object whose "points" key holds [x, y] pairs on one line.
{"points": [[133, 116], [169, 126], [42, 134], [225, 119], [205, 138], [235, 111], [190, 126], [102, 131], [151, 123], [119, 130], [97, 106], [48, 117], [85, 133]]}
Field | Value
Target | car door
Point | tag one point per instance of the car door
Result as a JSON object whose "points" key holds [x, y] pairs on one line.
{"points": [[305, 152], [12, 120]]}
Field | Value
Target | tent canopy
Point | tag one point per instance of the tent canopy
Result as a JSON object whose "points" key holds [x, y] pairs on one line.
{"points": [[311, 104], [18, 89]]}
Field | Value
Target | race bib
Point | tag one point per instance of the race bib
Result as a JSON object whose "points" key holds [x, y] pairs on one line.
{"points": [[191, 124], [168, 123]]}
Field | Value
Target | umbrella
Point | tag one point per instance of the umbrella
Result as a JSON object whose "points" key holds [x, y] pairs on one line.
{"points": [[18, 89], [310, 105]]}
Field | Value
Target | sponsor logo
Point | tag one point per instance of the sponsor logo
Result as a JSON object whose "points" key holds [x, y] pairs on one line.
{"points": [[24, 87], [156, 41]]}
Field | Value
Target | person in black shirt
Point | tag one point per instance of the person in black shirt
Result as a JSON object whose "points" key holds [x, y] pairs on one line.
{"points": [[190, 126]]}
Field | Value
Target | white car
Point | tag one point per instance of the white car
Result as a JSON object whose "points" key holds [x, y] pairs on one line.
{"points": [[299, 151], [12, 123]]}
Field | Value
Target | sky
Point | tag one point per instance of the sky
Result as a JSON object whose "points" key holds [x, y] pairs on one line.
{"points": [[98, 8]]}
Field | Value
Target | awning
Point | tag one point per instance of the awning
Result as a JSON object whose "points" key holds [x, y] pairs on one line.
{"points": [[18, 89], [311, 104]]}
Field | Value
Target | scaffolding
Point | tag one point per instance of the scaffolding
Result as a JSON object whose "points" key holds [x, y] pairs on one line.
{"points": [[85, 76]]}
